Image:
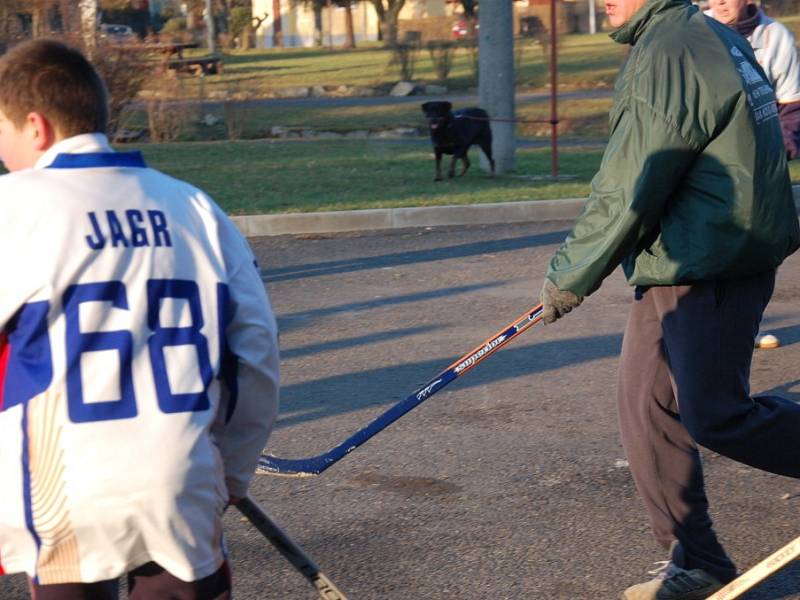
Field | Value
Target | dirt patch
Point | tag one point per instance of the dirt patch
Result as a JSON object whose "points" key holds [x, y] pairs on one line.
{"points": [[405, 485]]}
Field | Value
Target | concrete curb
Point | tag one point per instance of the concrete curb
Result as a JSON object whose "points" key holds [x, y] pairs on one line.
{"points": [[427, 216]]}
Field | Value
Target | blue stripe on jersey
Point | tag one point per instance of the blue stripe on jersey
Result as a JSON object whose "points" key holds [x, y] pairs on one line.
{"points": [[30, 367], [228, 361], [26, 484], [98, 159]]}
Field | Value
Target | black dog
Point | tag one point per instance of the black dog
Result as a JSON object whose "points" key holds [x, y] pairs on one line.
{"points": [[454, 132]]}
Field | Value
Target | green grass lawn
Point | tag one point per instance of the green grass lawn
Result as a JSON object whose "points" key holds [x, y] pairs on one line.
{"points": [[270, 176], [249, 177], [579, 118], [585, 61]]}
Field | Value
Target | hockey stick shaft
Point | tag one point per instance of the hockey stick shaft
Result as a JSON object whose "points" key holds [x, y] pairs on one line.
{"points": [[316, 464], [290, 550], [760, 572]]}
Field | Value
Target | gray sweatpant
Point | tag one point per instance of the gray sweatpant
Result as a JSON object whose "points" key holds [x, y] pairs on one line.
{"points": [[684, 380]]}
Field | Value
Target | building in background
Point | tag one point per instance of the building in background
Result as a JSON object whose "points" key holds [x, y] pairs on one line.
{"points": [[297, 25]]}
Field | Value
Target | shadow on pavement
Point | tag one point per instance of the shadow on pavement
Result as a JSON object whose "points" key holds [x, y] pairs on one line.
{"points": [[356, 341], [340, 394], [299, 319], [413, 257]]}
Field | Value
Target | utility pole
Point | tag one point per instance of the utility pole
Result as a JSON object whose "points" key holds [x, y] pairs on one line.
{"points": [[592, 17], [496, 79]]}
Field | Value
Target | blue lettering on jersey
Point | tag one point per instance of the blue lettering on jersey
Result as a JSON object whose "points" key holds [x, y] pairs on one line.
{"points": [[117, 236], [99, 240], [138, 233], [159, 224], [111, 229]]}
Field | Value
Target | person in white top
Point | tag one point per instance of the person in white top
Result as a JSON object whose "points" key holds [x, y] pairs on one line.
{"points": [[774, 47], [138, 352]]}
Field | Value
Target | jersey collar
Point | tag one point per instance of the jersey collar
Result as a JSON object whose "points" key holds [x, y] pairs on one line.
{"points": [[86, 151]]}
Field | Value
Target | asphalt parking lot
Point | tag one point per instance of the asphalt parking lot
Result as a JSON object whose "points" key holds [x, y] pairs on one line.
{"points": [[511, 482]]}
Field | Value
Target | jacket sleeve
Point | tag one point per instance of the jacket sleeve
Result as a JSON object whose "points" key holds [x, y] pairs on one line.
{"points": [[249, 373], [790, 128], [782, 63], [643, 164]]}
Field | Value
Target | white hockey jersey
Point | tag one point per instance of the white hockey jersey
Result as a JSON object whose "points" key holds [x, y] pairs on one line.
{"points": [[138, 368]]}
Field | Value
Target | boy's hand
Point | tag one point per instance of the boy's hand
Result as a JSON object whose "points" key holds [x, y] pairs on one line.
{"points": [[555, 302]]}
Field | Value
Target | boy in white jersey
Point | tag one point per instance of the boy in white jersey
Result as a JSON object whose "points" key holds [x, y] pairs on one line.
{"points": [[138, 353]]}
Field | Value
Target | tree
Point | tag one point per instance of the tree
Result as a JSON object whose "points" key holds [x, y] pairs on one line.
{"points": [[211, 34], [277, 24], [470, 8], [317, 6], [88, 23], [388, 12], [350, 35]]}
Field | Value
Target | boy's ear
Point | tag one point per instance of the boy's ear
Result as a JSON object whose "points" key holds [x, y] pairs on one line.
{"points": [[41, 131]]}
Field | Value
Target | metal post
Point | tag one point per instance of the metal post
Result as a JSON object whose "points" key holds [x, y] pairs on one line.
{"points": [[553, 92]]}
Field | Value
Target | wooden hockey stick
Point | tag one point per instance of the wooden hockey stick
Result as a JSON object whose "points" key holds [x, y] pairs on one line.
{"points": [[290, 550], [760, 572]]}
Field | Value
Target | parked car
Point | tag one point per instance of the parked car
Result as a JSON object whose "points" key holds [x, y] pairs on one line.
{"points": [[117, 33], [460, 28]]}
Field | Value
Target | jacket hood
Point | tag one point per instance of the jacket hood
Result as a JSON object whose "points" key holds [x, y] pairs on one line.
{"points": [[631, 31]]}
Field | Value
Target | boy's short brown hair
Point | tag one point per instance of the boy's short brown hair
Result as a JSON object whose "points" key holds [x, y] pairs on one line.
{"points": [[51, 78]]}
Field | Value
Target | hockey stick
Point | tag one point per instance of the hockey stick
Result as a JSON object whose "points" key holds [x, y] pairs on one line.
{"points": [[291, 551], [306, 467], [760, 572]]}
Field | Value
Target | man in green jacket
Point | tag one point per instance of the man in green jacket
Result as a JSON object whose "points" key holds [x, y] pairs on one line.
{"points": [[693, 199]]}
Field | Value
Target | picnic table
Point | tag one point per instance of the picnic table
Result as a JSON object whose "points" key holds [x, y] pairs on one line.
{"points": [[170, 55], [169, 50], [197, 65]]}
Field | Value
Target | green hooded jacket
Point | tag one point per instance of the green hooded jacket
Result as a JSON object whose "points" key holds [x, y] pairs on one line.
{"points": [[693, 184]]}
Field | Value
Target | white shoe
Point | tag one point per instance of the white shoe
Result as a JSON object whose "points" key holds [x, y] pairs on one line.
{"points": [[673, 583]]}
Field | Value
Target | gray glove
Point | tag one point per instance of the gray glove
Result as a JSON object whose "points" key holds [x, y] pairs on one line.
{"points": [[556, 303]]}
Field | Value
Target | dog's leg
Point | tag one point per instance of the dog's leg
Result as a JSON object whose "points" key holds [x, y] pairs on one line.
{"points": [[438, 166], [464, 164], [452, 171]]}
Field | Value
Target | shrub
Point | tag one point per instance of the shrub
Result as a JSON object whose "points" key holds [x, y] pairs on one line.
{"points": [[167, 119], [174, 26], [442, 53], [125, 74], [239, 22], [405, 56]]}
